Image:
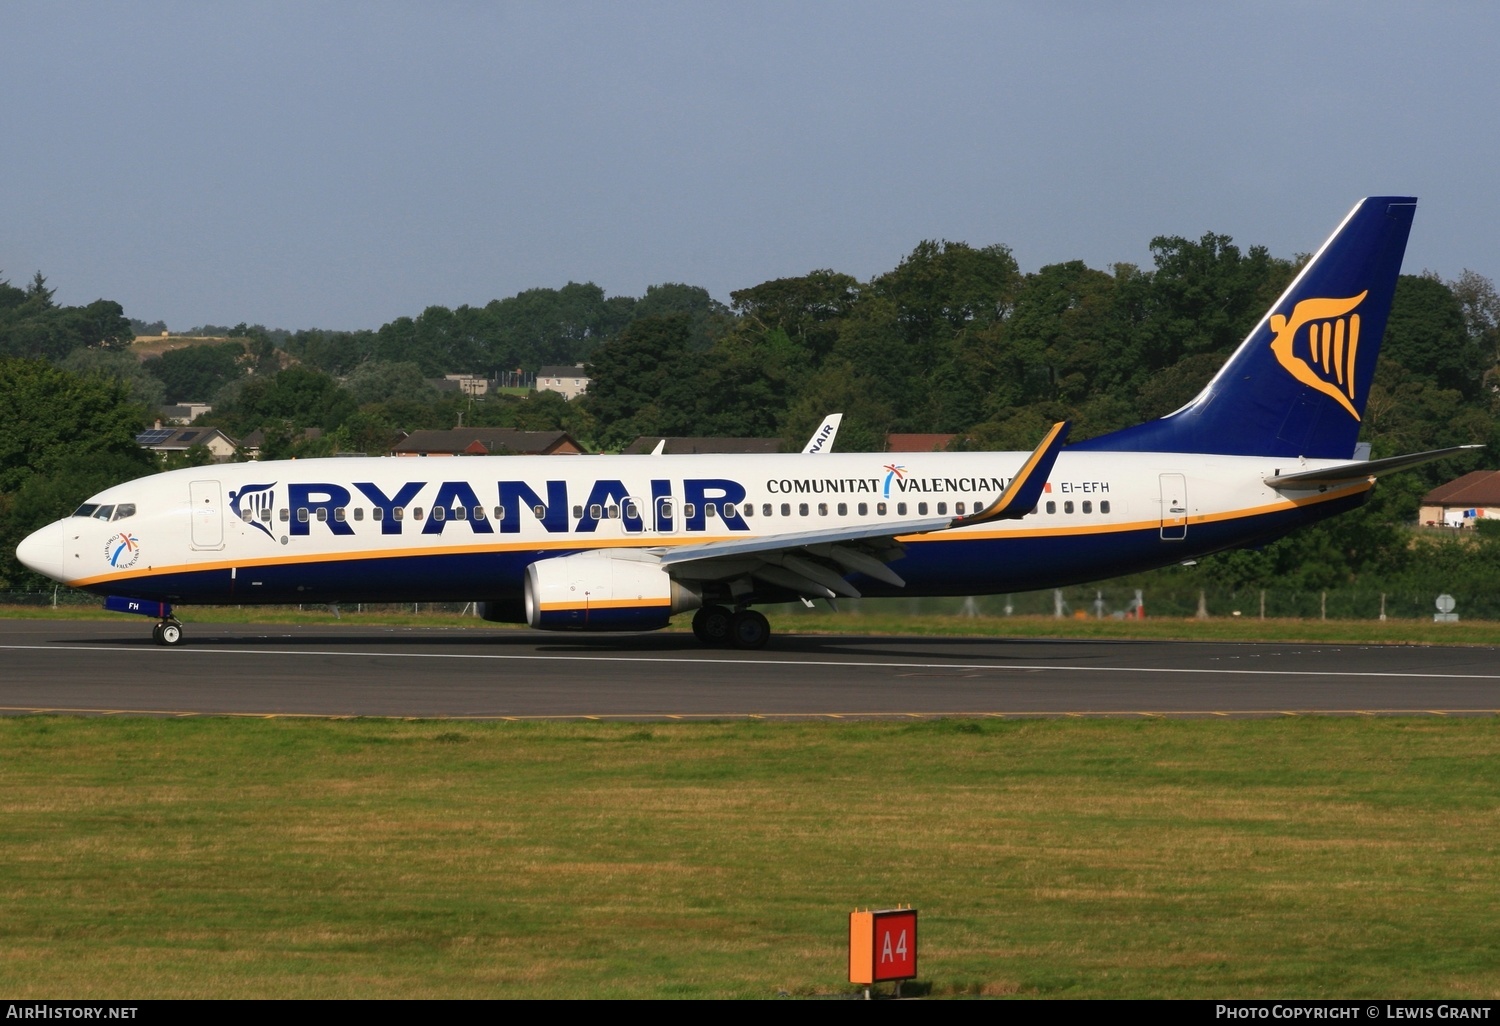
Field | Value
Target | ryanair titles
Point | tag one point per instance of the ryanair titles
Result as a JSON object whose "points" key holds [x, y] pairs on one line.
{"points": [[502, 507]]}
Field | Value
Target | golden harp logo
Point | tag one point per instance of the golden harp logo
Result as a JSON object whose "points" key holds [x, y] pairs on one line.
{"points": [[1321, 356]]}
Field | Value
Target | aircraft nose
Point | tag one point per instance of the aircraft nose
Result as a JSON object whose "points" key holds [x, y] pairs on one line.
{"points": [[42, 551]]}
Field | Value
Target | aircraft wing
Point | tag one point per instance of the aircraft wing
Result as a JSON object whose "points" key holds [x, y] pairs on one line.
{"points": [[815, 562], [1363, 468]]}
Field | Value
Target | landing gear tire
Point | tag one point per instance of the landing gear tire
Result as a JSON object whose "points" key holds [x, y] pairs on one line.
{"points": [[711, 626], [748, 629], [167, 633]]}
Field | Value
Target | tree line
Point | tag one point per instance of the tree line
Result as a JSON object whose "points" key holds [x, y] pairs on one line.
{"points": [[954, 339]]}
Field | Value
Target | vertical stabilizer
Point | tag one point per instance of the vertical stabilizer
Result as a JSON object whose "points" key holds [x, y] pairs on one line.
{"points": [[1298, 383]]}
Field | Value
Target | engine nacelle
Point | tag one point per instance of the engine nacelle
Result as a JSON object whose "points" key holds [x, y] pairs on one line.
{"points": [[604, 591]]}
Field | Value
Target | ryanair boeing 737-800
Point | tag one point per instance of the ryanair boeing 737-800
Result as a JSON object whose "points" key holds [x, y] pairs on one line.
{"points": [[622, 543]]}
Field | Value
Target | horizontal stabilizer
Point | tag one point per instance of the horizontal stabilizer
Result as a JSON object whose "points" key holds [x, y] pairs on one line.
{"points": [[1363, 468]]}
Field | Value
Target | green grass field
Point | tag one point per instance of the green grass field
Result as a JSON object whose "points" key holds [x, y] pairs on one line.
{"points": [[1300, 857], [790, 621]]}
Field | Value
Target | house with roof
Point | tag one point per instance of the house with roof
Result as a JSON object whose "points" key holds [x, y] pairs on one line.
{"points": [[570, 381], [906, 442], [167, 440], [1460, 502], [483, 441]]}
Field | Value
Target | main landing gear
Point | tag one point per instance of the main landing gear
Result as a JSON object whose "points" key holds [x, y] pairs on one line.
{"points": [[168, 632], [717, 627]]}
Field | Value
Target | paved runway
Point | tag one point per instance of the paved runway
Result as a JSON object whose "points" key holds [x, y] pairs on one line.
{"points": [[112, 668]]}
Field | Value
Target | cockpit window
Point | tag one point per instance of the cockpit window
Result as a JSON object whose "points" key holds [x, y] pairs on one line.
{"points": [[124, 509], [104, 512], [86, 510]]}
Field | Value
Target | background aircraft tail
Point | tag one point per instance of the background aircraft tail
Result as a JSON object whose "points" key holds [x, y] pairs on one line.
{"points": [[1297, 385]]}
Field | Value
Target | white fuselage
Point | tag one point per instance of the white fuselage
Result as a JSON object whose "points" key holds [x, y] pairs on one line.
{"points": [[462, 528]]}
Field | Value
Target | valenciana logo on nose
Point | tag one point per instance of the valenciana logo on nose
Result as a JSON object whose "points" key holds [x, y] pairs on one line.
{"points": [[1322, 357], [122, 550]]}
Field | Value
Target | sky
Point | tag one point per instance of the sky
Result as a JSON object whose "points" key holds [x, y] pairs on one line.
{"points": [[338, 165]]}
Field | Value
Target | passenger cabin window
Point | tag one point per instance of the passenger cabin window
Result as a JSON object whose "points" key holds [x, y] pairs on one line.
{"points": [[302, 514], [786, 509], [377, 514], [901, 509], [478, 512], [359, 512], [499, 512], [439, 514], [802, 509], [710, 510], [1051, 507], [822, 509], [748, 509], [843, 509], [864, 509], [689, 510], [596, 512], [921, 509], [632, 511], [880, 509], [398, 513], [340, 514], [1088, 506], [1068, 506], [284, 514], [1104, 506], [958, 509], [416, 512], [539, 511]]}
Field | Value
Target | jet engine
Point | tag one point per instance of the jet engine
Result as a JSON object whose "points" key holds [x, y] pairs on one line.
{"points": [[604, 591]]}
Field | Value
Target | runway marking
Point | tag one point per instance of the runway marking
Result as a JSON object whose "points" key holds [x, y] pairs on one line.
{"points": [[1041, 714], [709, 661]]}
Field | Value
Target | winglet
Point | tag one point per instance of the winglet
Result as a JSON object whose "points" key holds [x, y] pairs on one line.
{"points": [[822, 439], [1021, 495]]}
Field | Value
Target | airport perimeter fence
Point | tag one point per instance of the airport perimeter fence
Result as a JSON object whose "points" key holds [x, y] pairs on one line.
{"points": [[1107, 602], [1097, 602]]}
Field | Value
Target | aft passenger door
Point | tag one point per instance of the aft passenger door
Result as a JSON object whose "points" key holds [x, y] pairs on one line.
{"points": [[1174, 507]]}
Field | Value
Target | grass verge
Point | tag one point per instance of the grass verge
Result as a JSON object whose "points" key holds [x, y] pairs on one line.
{"points": [[784, 621], [367, 858]]}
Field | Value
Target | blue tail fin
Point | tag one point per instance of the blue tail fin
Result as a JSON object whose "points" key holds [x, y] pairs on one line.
{"points": [[1297, 385]]}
